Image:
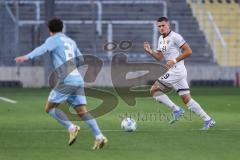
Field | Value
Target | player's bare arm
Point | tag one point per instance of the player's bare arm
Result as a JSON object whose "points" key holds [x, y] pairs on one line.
{"points": [[187, 51], [155, 54]]}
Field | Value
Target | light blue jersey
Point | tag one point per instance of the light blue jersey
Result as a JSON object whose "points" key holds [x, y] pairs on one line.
{"points": [[66, 57], [62, 49]]}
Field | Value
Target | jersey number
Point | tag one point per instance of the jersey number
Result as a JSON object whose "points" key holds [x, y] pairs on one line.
{"points": [[69, 54], [164, 48], [69, 51], [166, 76]]}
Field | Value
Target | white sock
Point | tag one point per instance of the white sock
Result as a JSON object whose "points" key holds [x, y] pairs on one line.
{"points": [[100, 136], [163, 98], [196, 108], [72, 128]]}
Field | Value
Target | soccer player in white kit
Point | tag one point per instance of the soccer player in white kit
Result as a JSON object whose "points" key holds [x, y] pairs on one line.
{"points": [[174, 49]]}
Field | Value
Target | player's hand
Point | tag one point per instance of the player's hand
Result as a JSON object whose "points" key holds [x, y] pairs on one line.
{"points": [[169, 64], [147, 47], [20, 59]]}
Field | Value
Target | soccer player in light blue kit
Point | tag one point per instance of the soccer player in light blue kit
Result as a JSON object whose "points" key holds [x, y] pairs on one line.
{"points": [[70, 87]]}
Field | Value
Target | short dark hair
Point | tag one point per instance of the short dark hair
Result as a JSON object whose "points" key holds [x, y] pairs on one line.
{"points": [[160, 19], [55, 25]]}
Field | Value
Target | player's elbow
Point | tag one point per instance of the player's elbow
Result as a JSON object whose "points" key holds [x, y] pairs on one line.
{"points": [[189, 52]]}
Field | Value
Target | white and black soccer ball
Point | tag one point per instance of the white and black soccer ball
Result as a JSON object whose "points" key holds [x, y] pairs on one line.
{"points": [[128, 124]]}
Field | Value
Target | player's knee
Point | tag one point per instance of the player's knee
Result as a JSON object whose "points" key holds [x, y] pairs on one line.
{"points": [[81, 110], [152, 91], [49, 106], [155, 88], [81, 114], [186, 98], [46, 109]]}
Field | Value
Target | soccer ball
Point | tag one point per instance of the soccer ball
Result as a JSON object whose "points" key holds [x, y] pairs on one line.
{"points": [[129, 125]]}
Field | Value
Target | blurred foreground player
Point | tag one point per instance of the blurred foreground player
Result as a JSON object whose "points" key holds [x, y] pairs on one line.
{"points": [[70, 87]]}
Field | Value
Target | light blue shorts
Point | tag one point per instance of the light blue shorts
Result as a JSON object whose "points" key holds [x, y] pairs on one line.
{"points": [[74, 95]]}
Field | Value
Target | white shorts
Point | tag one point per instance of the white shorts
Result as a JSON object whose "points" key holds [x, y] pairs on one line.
{"points": [[176, 80]]}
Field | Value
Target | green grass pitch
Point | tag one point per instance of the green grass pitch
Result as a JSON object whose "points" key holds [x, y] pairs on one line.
{"points": [[28, 133]]}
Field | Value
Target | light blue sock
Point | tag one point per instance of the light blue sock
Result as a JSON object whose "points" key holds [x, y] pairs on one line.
{"points": [[61, 117], [92, 123]]}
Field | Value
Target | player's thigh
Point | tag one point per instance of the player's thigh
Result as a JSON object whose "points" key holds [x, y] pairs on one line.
{"points": [[159, 86], [154, 88], [50, 105]]}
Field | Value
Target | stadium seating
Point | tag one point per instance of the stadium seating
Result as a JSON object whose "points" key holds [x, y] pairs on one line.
{"points": [[90, 42], [228, 25], [189, 28]]}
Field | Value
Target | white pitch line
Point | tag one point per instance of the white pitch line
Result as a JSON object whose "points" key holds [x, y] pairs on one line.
{"points": [[8, 100]]}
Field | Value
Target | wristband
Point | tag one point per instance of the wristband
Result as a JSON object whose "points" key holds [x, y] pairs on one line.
{"points": [[174, 61]]}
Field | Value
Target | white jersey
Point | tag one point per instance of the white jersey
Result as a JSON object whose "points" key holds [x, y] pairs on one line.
{"points": [[170, 48]]}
